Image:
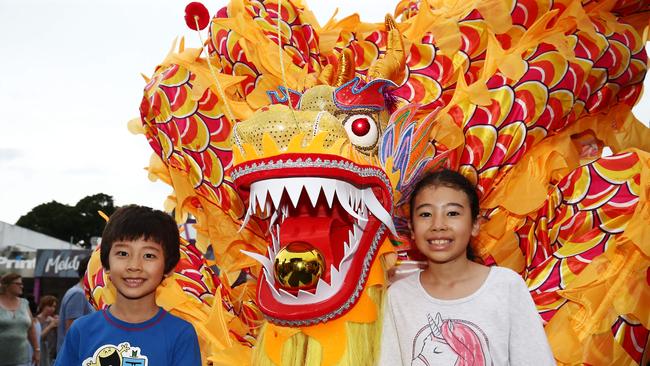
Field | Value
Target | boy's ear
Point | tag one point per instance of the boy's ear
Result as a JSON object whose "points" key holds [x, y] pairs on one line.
{"points": [[411, 230]]}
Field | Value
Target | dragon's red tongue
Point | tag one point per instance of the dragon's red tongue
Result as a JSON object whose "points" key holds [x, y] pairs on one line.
{"points": [[326, 234]]}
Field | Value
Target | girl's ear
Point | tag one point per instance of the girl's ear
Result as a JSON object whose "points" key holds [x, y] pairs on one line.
{"points": [[476, 226], [411, 230]]}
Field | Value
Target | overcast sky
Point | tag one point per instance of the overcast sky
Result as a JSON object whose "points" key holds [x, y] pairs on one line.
{"points": [[70, 83]]}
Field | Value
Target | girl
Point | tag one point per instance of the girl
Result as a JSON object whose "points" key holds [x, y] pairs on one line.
{"points": [[456, 311], [48, 321]]}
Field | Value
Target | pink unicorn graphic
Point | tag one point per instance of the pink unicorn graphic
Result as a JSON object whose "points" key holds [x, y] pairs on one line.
{"points": [[452, 342]]}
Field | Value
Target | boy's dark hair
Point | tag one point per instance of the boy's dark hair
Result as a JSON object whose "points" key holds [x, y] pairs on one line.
{"points": [[451, 179], [135, 222], [83, 265]]}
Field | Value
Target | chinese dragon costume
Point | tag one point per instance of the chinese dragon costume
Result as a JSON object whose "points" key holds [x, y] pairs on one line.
{"points": [[294, 146]]}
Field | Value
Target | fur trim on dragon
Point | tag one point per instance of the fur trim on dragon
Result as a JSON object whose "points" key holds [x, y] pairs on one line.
{"points": [[294, 146]]}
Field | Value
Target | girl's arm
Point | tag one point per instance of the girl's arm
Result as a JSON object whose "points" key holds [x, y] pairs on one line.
{"points": [[51, 325], [389, 354], [528, 343]]}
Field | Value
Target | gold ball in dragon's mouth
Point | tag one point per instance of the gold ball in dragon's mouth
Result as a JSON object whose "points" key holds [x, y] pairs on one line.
{"points": [[298, 266]]}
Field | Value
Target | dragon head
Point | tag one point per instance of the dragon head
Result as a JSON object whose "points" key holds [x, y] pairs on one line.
{"points": [[312, 178]]}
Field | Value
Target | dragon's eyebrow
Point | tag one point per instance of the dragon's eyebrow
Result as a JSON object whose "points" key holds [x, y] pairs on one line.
{"points": [[370, 112]]}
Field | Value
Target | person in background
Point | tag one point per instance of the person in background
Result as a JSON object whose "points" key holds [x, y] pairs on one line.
{"points": [[16, 325], [74, 305], [48, 321]]}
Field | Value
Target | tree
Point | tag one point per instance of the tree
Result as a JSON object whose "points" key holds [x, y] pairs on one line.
{"points": [[90, 222], [70, 223]]}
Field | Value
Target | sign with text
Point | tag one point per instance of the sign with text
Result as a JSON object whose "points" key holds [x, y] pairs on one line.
{"points": [[59, 263], [17, 261]]}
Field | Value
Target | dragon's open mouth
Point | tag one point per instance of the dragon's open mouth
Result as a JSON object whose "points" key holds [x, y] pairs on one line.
{"points": [[326, 217]]}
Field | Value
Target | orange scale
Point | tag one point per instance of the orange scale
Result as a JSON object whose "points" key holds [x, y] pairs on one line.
{"points": [[525, 12], [473, 39], [487, 178], [630, 335], [546, 70], [181, 103], [613, 224], [620, 205], [546, 277], [547, 300], [617, 169], [590, 49], [421, 56], [597, 78], [597, 197], [622, 57], [175, 76], [220, 130], [443, 70]]}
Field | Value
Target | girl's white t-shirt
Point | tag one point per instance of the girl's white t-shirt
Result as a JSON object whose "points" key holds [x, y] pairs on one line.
{"points": [[496, 325]]}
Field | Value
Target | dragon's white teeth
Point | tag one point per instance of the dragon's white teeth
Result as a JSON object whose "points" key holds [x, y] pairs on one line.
{"points": [[276, 240], [260, 198], [329, 190], [378, 210], [313, 191], [343, 191], [322, 287], [358, 232], [336, 276], [303, 294], [275, 191], [286, 293], [294, 189], [245, 221]]}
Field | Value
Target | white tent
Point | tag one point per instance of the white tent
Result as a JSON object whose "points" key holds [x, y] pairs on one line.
{"points": [[27, 240]]}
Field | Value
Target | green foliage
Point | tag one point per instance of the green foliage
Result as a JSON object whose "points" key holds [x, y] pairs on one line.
{"points": [[76, 223]]}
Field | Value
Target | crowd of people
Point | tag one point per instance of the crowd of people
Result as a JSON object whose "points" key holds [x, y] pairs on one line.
{"points": [[29, 339]]}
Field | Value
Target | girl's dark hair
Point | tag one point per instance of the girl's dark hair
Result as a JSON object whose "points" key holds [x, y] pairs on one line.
{"points": [[451, 179], [135, 222]]}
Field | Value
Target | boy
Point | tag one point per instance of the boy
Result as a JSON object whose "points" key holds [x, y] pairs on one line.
{"points": [[140, 246]]}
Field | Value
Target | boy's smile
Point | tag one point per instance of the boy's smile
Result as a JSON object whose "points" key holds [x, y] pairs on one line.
{"points": [[442, 223], [136, 268]]}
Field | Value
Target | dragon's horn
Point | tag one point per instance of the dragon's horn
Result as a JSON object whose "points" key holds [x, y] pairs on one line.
{"points": [[391, 66], [346, 68]]}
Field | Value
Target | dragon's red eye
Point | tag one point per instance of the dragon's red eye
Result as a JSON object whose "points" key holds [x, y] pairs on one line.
{"points": [[361, 126], [362, 130]]}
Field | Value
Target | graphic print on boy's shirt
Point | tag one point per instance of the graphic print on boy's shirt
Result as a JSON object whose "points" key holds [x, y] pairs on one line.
{"points": [[122, 355], [450, 342]]}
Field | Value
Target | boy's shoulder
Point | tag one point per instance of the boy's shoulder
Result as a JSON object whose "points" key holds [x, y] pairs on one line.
{"points": [[87, 322], [177, 321]]}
